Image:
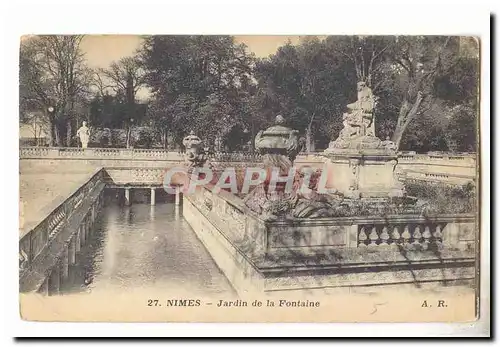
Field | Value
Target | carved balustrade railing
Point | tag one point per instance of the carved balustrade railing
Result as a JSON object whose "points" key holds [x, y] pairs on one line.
{"points": [[98, 153], [407, 175], [417, 232], [134, 175], [435, 158], [32, 243], [400, 234], [37, 152], [235, 157]]}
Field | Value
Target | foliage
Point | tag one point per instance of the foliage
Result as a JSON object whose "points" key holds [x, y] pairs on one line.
{"points": [[101, 137], [427, 89], [53, 74], [442, 199], [110, 111], [140, 137], [461, 133], [125, 77], [306, 84], [311, 83], [199, 83]]}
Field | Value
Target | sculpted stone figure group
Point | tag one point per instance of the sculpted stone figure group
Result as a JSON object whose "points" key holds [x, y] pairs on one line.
{"points": [[359, 124]]}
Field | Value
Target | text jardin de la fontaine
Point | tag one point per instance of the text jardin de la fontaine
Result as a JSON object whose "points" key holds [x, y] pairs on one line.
{"points": [[244, 303]]}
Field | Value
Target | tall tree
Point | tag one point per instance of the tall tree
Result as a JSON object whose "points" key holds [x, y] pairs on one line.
{"points": [[366, 54], [196, 82], [401, 69], [53, 77], [418, 61], [307, 84], [125, 78]]}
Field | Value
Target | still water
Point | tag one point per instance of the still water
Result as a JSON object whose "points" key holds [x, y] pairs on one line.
{"points": [[145, 247]]}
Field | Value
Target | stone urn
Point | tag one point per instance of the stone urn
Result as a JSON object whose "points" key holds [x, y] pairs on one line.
{"points": [[195, 155]]}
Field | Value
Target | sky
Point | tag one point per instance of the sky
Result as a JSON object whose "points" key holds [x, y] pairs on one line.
{"points": [[102, 50]]}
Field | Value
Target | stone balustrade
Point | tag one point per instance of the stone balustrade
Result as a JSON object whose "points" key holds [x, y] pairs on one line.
{"points": [[139, 153], [292, 253], [236, 157], [407, 232], [462, 159], [97, 153], [50, 237], [226, 210], [413, 232], [139, 176], [456, 169], [435, 177]]}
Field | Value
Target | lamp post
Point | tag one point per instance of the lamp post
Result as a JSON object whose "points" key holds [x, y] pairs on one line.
{"points": [[129, 133], [245, 131], [51, 110]]}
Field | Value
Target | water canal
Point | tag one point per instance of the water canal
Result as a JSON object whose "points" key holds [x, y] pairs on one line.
{"points": [[144, 247]]}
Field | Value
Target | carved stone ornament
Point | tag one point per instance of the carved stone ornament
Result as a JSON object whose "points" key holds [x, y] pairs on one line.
{"points": [[359, 125], [279, 146], [278, 139], [195, 154]]}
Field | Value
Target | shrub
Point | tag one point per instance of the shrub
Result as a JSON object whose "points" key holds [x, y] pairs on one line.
{"points": [[442, 199]]}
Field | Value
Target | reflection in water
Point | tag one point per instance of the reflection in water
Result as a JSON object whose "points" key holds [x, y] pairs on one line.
{"points": [[145, 246], [177, 213]]}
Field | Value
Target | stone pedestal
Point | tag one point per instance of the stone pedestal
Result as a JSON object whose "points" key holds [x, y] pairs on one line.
{"points": [[363, 174]]}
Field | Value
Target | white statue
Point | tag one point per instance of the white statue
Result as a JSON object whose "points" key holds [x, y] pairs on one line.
{"points": [[84, 134]]}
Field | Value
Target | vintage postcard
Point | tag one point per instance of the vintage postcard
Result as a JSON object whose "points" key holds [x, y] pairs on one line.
{"points": [[199, 178]]}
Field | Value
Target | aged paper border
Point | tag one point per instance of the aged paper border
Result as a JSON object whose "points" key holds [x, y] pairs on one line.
{"points": [[278, 19]]}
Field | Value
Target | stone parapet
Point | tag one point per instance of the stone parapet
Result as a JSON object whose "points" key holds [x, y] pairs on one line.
{"points": [[45, 245], [258, 255]]}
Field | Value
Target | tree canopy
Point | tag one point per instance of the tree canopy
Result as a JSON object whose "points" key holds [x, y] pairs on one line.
{"points": [[53, 75], [426, 88]]}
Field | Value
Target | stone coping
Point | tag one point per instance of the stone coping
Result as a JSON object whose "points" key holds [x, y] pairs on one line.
{"points": [[56, 203], [32, 278], [392, 219], [238, 204]]}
